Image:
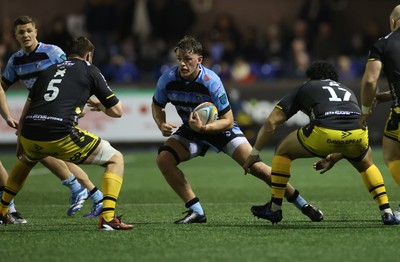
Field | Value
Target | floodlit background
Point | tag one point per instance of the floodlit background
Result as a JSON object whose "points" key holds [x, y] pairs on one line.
{"points": [[259, 48]]}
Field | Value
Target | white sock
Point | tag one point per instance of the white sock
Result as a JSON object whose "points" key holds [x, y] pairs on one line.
{"points": [[11, 207]]}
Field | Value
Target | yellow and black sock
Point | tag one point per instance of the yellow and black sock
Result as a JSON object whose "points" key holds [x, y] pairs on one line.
{"points": [[111, 186], [373, 181], [15, 182], [394, 168], [280, 176]]}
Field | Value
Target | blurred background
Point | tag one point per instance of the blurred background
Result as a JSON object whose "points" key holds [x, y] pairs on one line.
{"points": [[259, 48]]}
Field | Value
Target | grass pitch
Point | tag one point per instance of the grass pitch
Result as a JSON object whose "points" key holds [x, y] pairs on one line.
{"points": [[352, 229]]}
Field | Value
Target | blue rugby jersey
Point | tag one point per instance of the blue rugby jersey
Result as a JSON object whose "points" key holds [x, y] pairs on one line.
{"points": [[26, 67], [186, 95]]}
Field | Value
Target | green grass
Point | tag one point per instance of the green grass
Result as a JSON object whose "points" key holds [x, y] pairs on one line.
{"points": [[352, 229]]}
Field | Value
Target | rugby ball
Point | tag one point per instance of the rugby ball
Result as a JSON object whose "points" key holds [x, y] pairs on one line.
{"points": [[207, 111]]}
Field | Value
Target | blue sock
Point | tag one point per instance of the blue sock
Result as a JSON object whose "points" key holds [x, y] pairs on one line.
{"points": [[97, 196], [197, 208], [299, 202], [73, 184]]}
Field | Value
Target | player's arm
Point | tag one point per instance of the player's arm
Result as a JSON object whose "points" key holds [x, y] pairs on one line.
{"points": [[383, 97], [369, 84], [106, 102], [328, 162], [4, 86], [5, 112], [223, 123], [115, 111], [274, 120], [159, 117]]}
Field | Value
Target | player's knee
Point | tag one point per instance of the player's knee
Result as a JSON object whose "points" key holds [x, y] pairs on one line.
{"points": [[118, 157], [108, 154], [167, 156]]}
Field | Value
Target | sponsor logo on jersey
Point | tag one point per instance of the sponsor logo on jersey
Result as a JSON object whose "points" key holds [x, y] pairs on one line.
{"points": [[37, 147], [345, 134], [343, 142], [223, 99]]}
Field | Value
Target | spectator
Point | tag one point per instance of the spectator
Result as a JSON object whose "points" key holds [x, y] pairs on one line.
{"points": [[346, 69], [324, 46], [252, 48], [314, 12], [7, 43], [59, 34], [177, 20], [225, 39], [299, 59], [120, 70], [274, 43], [153, 53], [101, 21]]}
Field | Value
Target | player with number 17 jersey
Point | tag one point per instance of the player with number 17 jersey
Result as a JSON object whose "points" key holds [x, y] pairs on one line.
{"points": [[334, 118], [328, 104]]}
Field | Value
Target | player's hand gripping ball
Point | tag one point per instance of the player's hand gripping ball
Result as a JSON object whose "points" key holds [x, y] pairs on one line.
{"points": [[207, 112]]}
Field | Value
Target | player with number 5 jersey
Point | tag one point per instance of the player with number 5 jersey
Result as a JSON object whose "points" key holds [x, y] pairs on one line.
{"points": [[49, 127], [25, 65]]}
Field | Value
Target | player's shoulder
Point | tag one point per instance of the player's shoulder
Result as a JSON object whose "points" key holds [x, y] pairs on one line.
{"points": [[170, 74], [209, 79], [392, 36], [18, 53], [310, 86], [87, 66], [43, 47], [208, 75]]}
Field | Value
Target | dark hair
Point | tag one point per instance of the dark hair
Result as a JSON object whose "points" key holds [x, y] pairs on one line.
{"points": [[189, 44], [23, 20], [79, 46], [322, 70]]}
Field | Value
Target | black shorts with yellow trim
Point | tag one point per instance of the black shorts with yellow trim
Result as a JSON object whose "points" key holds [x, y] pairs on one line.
{"points": [[392, 129], [75, 147], [320, 141]]}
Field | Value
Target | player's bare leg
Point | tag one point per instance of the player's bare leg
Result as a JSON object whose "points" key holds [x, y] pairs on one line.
{"points": [[168, 165], [79, 193], [15, 216], [391, 156]]}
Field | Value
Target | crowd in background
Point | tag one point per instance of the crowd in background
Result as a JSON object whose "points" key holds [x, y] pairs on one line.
{"points": [[134, 41]]}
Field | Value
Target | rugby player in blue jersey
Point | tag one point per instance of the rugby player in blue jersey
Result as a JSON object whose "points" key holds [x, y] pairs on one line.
{"points": [[25, 65], [185, 86]]}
